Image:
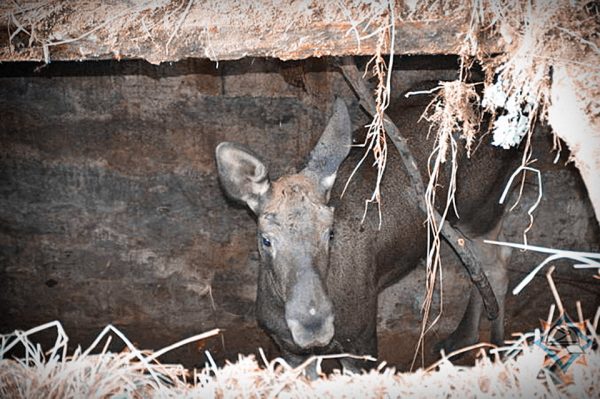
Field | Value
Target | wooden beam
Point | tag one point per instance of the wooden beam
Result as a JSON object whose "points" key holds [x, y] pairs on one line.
{"points": [[159, 34]]}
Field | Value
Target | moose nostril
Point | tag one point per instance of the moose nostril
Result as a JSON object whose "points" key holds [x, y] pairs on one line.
{"points": [[314, 325], [311, 332]]}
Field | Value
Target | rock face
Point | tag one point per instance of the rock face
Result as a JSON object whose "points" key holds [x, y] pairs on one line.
{"points": [[110, 209]]}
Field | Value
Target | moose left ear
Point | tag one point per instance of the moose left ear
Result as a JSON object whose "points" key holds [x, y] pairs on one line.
{"points": [[243, 175], [333, 147]]}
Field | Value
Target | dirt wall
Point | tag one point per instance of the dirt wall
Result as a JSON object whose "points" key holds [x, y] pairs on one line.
{"points": [[111, 212]]}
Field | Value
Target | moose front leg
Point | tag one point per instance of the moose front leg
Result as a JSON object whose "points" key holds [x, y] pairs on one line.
{"points": [[358, 336], [494, 262], [497, 330], [467, 331], [294, 360]]}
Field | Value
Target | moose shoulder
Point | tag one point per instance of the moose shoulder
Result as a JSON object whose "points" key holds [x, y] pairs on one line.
{"points": [[321, 268]]}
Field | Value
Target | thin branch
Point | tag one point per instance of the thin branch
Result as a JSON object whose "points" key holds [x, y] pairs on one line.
{"points": [[537, 202], [561, 309], [418, 92], [179, 23]]}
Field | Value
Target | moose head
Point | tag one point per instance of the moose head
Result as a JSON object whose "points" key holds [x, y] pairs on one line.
{"points": [[295, 227]]}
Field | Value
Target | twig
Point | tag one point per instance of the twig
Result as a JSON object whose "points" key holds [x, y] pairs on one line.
{"points": [[47, 45], [353, 24], [549, 318], [375, 141], [579, 311], [556, 59], [592, 329], [179, 23], [561, 309], [445, 357], [537, 202], [537, 248], [581, 39], [20, 28], [186, 341], [414, 93], [148, 34], [589, 258]]}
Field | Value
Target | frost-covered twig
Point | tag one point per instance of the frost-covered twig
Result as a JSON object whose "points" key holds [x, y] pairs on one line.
{"points": [[537, 202], [591, 259]]}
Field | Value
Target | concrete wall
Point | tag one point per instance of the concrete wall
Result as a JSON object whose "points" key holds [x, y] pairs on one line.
{"points": [[111, 212]]}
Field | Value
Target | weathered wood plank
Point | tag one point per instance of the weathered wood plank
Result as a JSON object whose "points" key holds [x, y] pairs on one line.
{"points": [[169, 31]]}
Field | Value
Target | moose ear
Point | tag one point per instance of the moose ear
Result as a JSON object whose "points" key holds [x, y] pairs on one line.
{"points": [[243, 175], [333, 147]]}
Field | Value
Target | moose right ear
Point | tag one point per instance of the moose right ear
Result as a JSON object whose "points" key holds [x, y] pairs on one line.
{"points": [[331, 150], [243, 176]]}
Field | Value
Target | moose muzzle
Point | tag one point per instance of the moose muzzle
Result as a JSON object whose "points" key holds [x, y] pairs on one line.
{"points": [[309, 313]]}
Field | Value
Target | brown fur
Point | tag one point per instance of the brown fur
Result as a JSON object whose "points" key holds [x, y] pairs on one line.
{"points": [[307, 280]]}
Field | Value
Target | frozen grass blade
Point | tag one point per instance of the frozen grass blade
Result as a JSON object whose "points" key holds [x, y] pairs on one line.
{"points": [[590, 259], [537, 202]]}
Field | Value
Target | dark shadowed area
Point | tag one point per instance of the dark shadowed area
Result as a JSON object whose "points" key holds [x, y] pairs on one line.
{"points": [[111, 212]]}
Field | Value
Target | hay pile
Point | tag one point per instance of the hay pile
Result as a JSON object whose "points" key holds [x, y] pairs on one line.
{"points": [[537, 364]]}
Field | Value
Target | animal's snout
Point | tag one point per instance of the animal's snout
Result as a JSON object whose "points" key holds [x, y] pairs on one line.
{"points": [[309, 312], [311, 328]]}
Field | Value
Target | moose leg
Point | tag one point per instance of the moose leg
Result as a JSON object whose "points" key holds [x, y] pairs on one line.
{"points": [[296, 360], [359, 336], [496, 268], [467, 332], [500, 288], [353, 289], [494, 261], [365, 347]]}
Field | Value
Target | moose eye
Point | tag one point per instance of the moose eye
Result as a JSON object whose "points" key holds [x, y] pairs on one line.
{"points": [[265, 241], [331, 234]]}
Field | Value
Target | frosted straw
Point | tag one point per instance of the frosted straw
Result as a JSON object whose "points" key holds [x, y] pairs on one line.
{"points": [[586, 258]]}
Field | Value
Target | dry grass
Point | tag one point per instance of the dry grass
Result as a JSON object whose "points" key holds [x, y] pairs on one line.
{"points": [[54, 374], [375, 141], [540, 36], [36, 21], [158, 30], [526, 368], [452, 113]]}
